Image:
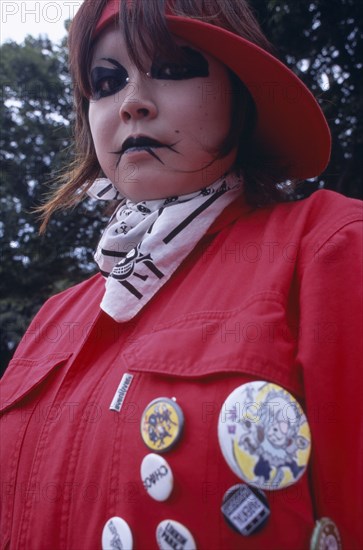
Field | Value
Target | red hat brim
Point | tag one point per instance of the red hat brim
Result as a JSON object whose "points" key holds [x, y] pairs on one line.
{"points": [[291, 126]]}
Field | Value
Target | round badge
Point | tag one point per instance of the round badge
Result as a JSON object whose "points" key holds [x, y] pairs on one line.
{"points": [[161, 424], [264, 435], [171, 535], [116, 535], [325, 536], [157, 477]]}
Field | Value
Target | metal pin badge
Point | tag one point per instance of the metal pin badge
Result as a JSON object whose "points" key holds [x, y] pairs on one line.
{"points": [[264, 435], [325, 536], [162, 424], [172, 535], [245, 509], [116, 535], [157, 477]]}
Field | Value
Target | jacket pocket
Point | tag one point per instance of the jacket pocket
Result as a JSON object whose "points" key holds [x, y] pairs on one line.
{"points": [[24, 375], [254, 341]]}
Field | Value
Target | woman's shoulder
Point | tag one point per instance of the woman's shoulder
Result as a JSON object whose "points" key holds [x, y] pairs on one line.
{"points": [[86, 288], [63, 321], [324, 205], [76, 302], [326, 212], [320, 215], [325, 222], [307, 225], [326, 201]]}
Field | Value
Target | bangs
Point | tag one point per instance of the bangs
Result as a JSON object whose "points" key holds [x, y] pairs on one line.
{"points": [[146, 32], [80, 44]]}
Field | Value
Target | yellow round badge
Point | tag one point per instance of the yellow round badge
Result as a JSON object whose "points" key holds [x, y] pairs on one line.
{"points": [[161, 424], [264, 435]]}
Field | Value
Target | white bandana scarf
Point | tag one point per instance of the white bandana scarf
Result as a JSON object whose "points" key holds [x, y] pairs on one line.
{"points": [[144, 243]]}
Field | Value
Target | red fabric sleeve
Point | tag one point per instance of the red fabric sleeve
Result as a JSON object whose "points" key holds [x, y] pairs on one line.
{"points": [[331, 357]]}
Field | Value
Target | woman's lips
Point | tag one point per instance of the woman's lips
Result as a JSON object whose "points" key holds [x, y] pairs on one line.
{"points": [[140, 142], [145, 143]]}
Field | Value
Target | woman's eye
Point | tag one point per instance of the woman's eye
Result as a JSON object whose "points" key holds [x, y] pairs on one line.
{"points": [[195, 65], [171, 71], [106, 82], [108, 85]]}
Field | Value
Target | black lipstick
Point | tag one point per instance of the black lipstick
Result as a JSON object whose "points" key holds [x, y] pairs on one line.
{"points": [[143, 143]]}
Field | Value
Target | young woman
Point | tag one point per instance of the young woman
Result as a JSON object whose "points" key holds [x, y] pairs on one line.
{"points": [[204, 390]]}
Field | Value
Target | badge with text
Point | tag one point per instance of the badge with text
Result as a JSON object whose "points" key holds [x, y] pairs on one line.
{"points": [[116, 535], [325, 536], [172, 535], [157, 477], [264, 435], [162, 424], [245, 509]]}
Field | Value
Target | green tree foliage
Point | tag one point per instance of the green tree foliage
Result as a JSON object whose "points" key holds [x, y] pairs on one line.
{"points": [[35, 137], [319, 39], [322, 41]]}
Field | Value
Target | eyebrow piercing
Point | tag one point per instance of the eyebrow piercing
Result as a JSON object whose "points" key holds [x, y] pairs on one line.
{"points": [[127, 79]]}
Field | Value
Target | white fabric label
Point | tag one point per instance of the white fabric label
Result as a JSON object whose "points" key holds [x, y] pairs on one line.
{"points": [[121, 392]]}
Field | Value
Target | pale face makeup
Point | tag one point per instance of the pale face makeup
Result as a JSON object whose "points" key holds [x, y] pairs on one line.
{"points": [[158, 134]]}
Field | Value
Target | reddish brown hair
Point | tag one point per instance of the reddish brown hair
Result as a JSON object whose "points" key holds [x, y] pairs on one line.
{"points": [[146, 30]]}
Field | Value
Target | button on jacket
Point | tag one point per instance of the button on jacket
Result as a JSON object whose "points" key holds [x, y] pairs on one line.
{"points": [[268, 294]]}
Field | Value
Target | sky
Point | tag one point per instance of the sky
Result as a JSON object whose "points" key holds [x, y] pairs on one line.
{"points": [[22, 17]]}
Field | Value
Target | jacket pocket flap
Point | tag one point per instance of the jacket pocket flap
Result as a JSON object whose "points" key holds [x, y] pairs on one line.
{"points": [[24, 375], [215, 347]]}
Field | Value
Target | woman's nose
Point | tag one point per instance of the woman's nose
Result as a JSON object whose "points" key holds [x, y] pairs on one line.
{"points": [[138, 102]]}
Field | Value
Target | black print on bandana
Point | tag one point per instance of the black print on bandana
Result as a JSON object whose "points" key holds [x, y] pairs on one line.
{"points": [[208, 191], [143, 208], [126, 267], [122, 229], [189, 219]]}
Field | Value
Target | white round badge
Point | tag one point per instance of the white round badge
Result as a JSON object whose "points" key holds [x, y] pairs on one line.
{"points": [[264, 435], [157, 477], [116, 535], [171, 534]]}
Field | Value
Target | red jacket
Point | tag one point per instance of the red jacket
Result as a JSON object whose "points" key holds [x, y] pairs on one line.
{"points": [[268, 294]]}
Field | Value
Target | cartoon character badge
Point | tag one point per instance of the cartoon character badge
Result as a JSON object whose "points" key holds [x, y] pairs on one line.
{"points": [[264, 435], [161, 424]]}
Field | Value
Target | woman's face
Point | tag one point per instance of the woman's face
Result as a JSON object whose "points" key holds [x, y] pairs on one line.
{"points": [[158, 134]]}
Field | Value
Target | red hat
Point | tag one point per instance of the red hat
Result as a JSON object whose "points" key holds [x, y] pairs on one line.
{"points": [[290, 124]]}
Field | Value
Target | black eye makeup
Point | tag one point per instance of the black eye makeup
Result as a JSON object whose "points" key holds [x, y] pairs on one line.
{"points": [[106, 81], [194, 65]]}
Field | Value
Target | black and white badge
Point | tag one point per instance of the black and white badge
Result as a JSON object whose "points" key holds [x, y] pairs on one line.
{"points": [[157, 477], [173, 535], [116, 535], [245, 509]]}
